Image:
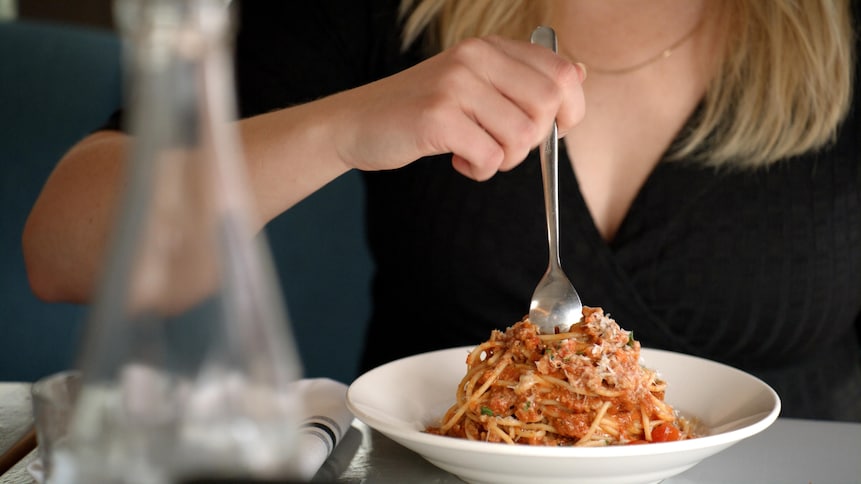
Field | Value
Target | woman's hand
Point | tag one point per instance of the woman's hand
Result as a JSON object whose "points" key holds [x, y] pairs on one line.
{"points": [[487, 101]]}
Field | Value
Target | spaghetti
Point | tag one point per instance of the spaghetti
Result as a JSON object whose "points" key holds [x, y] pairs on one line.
{"points": [[583, 387]]}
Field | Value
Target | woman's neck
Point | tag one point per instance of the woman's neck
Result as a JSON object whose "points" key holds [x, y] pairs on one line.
{"points": [[622, 36]]}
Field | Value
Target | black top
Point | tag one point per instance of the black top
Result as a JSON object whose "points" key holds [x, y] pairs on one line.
{"points": [[757, 269]]}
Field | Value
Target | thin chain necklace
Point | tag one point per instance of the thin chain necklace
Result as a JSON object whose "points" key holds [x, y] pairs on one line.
{"points": [[660, 56]]}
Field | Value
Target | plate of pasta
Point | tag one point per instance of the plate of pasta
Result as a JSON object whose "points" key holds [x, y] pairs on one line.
{"points": [[586, 405]]}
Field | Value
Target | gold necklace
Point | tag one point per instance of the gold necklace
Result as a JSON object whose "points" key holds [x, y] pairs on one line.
{"points": [[660, 56]]}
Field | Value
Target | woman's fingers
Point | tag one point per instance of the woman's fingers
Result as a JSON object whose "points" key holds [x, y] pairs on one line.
{"points": [[509, 99], [486, 101], [475, 152], [564, 84], [513, 91]]}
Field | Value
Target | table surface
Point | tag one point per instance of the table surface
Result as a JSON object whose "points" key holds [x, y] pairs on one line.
{"points": [[801, 451]]}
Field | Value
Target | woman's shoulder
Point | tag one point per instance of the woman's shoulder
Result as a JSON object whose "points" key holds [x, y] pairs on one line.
{"points": [[311, 23], [288, 52]]}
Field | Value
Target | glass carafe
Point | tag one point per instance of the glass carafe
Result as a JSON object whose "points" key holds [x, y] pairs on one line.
{"points": [[188, 357]]}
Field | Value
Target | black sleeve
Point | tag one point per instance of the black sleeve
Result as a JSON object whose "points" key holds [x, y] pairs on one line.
{"points": [[298, 51], [290, 52]]}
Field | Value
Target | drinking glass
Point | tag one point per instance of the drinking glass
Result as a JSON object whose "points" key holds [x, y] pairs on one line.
{"points": [[54, 398]]}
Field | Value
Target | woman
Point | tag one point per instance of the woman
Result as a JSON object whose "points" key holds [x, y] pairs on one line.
{"points": [[713, 204]]}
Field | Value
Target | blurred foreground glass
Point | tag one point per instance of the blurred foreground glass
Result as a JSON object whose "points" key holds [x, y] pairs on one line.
{"points": [[53, 404], [188, 358]]}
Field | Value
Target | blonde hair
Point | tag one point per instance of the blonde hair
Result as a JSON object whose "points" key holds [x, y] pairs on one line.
{"points": [[782, 87]]}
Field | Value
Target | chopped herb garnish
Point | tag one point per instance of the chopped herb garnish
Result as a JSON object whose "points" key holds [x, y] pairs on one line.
{"points": [[487, 411], [631, 338]]}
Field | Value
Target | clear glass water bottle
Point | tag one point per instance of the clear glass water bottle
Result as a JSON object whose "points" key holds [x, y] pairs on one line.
{"points": [[188, 357]]}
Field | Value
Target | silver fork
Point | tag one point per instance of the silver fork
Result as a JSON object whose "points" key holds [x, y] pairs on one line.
{"points": [[555, 302]]}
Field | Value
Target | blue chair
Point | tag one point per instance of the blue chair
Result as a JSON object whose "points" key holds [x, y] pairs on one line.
{"points": [[325, 268], [58, 83]]}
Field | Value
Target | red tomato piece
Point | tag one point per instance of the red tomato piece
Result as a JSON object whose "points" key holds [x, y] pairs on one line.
{"points": [[665, 432]]}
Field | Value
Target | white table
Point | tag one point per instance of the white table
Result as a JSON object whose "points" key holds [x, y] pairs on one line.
{"points": [[790, 451], [16, 417]]}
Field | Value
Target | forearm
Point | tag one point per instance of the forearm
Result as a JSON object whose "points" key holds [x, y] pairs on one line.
{"points": [[290, 154], [68, 229]]}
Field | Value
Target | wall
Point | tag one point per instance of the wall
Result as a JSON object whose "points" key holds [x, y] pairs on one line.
{"points": [[94, 13]]}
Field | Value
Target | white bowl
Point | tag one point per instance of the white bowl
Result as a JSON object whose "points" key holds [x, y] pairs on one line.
{"points": [[400, 399]]}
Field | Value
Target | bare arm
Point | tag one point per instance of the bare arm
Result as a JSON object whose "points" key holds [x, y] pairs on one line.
{"points": [[488, 102]]}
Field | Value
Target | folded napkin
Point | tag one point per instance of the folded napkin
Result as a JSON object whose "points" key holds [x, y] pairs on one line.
{"points": [[325, 421]]}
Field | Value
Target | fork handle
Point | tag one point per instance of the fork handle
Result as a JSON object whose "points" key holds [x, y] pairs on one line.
{"points": [[546, 37]]}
